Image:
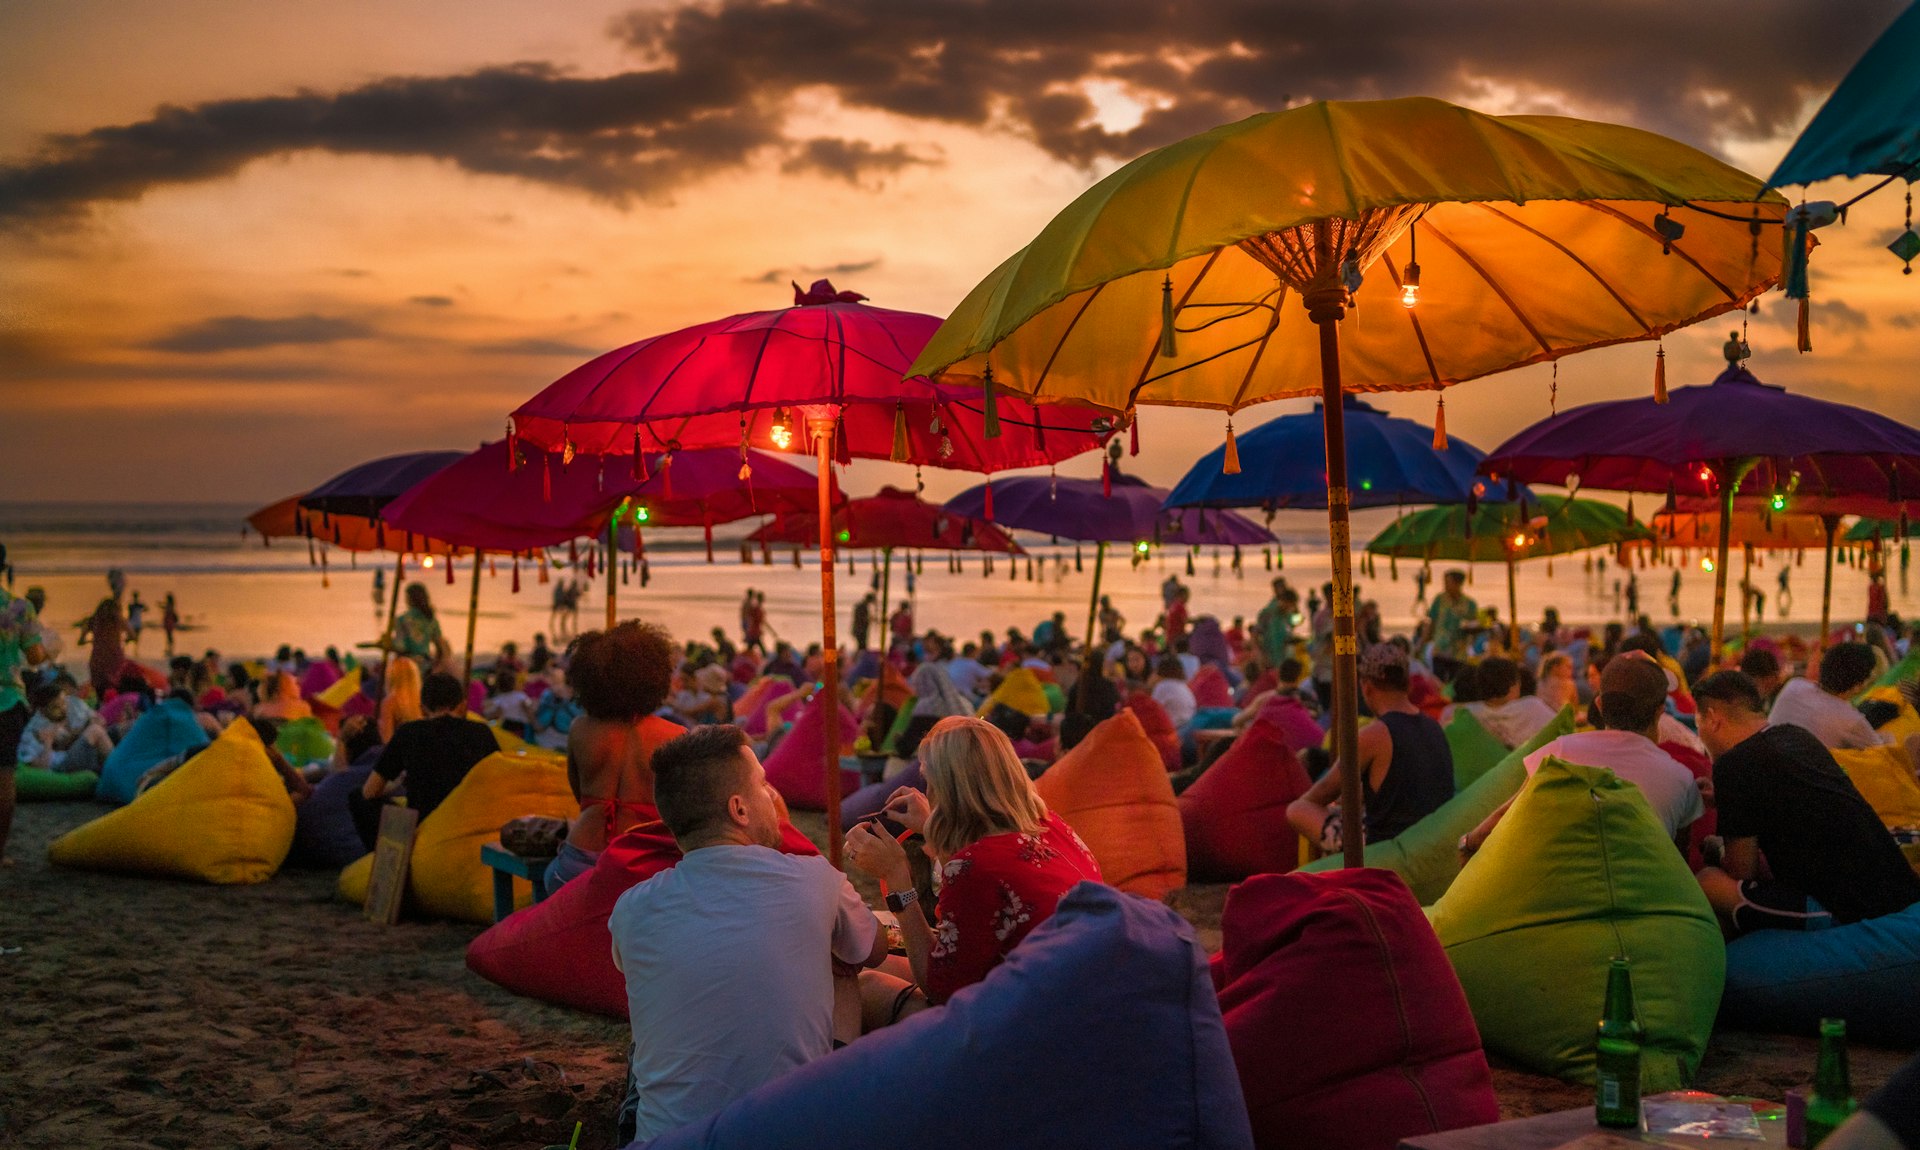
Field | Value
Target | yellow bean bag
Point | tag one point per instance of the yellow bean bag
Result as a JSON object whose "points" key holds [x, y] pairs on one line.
{"points": [[1020, 690], [1884, 777], [1113, 791], [342, 691], [223, 817], [447, 878], [1902, 726], [1578, 871]]}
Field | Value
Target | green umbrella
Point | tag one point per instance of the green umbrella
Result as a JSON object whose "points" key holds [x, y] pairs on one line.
{"points": [[1507, 533]]}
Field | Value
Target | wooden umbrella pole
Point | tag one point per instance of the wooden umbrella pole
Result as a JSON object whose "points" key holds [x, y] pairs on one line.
{"points": [[823, 429], [1832, 524], [1325, 307], [886, 588], [1727, 483], [393, 616], [611, 570], [1513, 610], [1093, 600], [1746, 595], [473, 614]]}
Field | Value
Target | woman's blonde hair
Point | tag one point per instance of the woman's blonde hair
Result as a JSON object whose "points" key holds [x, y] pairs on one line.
{"points": [[401, 703], [976, 785]]}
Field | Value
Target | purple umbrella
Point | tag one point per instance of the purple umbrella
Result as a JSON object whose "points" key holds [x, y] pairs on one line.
{"points": [[367, 489], [1714, 440], [1081, 510]]}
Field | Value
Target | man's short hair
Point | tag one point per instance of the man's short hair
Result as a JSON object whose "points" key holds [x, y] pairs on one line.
{"points": [[1760, 662], [1846, 667], [1633, 692], [695, 774], [1385, 665], [441, 692], [1730, 688], [1454, 576], [1495, 676]]}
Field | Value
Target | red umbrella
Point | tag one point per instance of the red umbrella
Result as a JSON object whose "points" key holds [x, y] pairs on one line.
{"points": [[892, 518], [829, 366]]}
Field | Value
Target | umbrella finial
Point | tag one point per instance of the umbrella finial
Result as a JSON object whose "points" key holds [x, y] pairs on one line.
{"points": [[1231, 464], [1440, 424]]}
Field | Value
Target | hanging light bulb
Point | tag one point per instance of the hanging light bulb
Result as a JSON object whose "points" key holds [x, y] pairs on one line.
{"points": [[1141, 547], [1779, 501], [1706, 564], [1410, 283], [642, 513], [1519, 540], [781, 433], [427, 561]]}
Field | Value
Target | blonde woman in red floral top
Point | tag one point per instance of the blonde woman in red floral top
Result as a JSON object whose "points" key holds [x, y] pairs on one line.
{"points": [[1002, 858]]}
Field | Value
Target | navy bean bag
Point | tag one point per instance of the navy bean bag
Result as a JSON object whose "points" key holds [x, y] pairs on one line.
{"points": [[324, 835], [168, 729], [1865, 972], [868, 801], [1099, 1030]]}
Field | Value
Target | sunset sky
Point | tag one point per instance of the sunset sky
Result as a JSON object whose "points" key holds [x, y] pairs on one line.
{"points": [[246, 243]]}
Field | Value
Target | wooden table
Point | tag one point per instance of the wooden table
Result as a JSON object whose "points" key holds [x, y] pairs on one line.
{"points": [[1547, 1131]]}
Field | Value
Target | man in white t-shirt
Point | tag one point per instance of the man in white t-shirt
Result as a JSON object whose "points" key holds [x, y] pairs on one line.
{"points": [[1633, 695], [729, 955], [1822, 707]]}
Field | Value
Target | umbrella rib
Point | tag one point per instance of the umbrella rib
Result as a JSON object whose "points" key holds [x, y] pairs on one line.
{"points": [[1568, 252], [1413, 318], [666, 379], [1153, 352], [1273, 325], [1066, 335], [1492, 283], [1643, 229]]}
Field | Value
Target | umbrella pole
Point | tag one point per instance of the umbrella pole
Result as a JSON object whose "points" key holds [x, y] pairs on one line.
{"points": [[1093, 600], [473, 615], [1513, 611], [611, 571], [1746, 595], [1831, 523], [1325, 307], [823, 431], [886, 586], [393, 613], [1720, 564]]}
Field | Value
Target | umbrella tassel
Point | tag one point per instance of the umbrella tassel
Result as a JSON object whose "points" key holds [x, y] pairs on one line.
{"points": [[1078, 567], [573, 552], [449, 568], [546, 480], [313, 559], [513, 448], [989, 500], [1279, 557], [899, 433], [1133, 433], [796, 557], [990, 405], [592, 564], [639, 459], [1167, 348], [1660, 375], [324, 581], [1440, 424], [1231, 465], [516, 573], [1189, 564], [1106, 479]]}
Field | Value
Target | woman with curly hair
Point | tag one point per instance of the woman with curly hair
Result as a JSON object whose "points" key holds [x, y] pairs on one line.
{"points": [[620, 677]]}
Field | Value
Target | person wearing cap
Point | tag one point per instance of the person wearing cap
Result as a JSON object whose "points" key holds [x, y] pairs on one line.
{"points": [[1780, 796], [1632, 697], [1823, 706], [1405, 763]]}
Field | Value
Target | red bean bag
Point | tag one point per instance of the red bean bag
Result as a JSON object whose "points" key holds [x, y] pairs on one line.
{"points": [[1113, 792], [1347, 1024], [1157, 727], [1235, 813], [1210, 688], [559, 950], [797, 767], [750, 709]]}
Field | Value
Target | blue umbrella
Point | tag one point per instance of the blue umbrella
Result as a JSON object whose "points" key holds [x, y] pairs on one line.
{"points": [[1871, 123], [1391, 462]]}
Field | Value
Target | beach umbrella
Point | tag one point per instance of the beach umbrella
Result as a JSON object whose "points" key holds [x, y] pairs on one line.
{"points": [[1113, 509], [1391, 462], [1528, 528], [827, 371], [1753, 526], [1225, 270], [1717, 440]]}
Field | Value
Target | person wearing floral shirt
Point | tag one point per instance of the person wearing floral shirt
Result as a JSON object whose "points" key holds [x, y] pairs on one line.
{"points": [[416, 633], [1004, 860]]}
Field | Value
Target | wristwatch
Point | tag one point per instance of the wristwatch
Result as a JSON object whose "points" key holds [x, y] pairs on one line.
{"points": [[898, 901]]}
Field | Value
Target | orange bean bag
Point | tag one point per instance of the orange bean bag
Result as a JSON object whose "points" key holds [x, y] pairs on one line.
{"points": [[1235, 813], [1157, 726], [797, 767], [1114, 792]]}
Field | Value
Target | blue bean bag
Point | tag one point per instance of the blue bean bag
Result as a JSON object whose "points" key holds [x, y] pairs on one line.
{"points": [[167, 730], [867, 802], [1100, 1029], [325, 835], [1865, 972]]}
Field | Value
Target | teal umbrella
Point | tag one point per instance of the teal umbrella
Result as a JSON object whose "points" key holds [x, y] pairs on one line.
{"points": [[1871, 123]]}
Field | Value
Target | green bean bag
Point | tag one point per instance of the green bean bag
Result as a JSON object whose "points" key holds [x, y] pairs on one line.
{"points": [[1580, 870], [304, 741], [1893, 676], [1475, 749], [32, 784], [1426, 854]]}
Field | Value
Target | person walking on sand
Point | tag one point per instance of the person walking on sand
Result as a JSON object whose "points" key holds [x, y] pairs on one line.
{"points": [[136, 621], [169, 620]]}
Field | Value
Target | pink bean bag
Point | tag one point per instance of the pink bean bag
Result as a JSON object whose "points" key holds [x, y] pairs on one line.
{"points": [[750, 710], [1158, 727], [559, 950], [1210, 687], [1347, 1024], [1235, 813], [797, 767]]}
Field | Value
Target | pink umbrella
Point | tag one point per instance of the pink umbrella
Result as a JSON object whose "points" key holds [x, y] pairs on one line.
{"points": [[829, 366]]}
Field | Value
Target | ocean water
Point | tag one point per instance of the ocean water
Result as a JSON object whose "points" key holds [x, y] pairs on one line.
{"points": [[242, 597]]}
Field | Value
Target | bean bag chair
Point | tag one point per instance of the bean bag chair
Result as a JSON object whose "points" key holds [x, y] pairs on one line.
{"points": [[890, 688], [750, 710], [1235, 813], [1907, 668], [168, 729], [31, 785], [223, 817], [1056, 698], [317, 678], [1345, 965], [337, 694], [1864, 972], [866, 803], [324, 835], [1022, 691], [1475, 749], [1157, 726], [447, 878], [1426, 854], [304, 741], [1213, 718], [1296, 724], [559, 950], [1532, 953], [1884, 777], [1114, 793], [796, 768], [902, 719], [1099, 1030], [1210, 687]]}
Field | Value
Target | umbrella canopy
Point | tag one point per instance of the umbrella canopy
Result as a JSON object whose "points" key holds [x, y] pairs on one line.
{"points": [[704, 488], [284, 519], [366, 490], [890, 519], [1871, 123], [1876, 531], [1078, 509], [1499, 532], [1391, 463], [1766, 531]]}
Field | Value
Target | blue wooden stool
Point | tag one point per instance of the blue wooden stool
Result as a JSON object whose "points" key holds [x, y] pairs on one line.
{"points": [[505, 866]]}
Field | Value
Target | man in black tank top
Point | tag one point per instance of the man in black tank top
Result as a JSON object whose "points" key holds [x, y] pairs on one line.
{"points": [[1406, 763]]}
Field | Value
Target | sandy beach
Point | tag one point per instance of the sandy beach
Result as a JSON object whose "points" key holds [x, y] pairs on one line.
{"points": [[147, 1012]]}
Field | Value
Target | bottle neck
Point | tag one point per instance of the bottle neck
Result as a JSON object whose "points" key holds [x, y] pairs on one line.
{"points": [[1830, 1076], [1619, 1008]]}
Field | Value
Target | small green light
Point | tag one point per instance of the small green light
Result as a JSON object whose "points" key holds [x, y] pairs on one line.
{"points": [[1141, 547], [1366, 485], [642, 513], [845, 535], [1779, 502]]}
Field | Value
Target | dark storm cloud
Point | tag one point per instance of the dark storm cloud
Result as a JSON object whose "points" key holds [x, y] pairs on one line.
{"points": [[536, 347], [844, 268], [431, 300], [717, 80], [249, 332]]}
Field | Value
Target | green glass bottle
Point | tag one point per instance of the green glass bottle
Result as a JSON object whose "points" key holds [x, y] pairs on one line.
{"points": [[1616, 1060], [1832, 1101]]}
